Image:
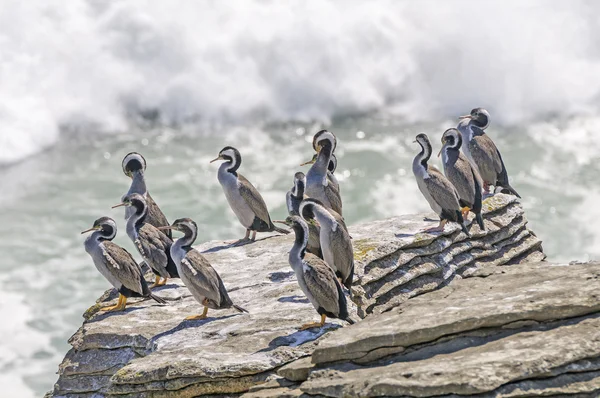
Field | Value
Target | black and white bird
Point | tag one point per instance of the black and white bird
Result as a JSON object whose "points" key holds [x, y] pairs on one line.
{"points": [[244, 199], [152, 244], [482, 152], [318, 186], [332, 179], [316, 278], [335, 241], [195, 271], [462, 174], [116, 264], [439, 192], [134, 166]]}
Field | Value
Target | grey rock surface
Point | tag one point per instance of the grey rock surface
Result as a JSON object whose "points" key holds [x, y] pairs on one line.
{"points": [[149, 350]]}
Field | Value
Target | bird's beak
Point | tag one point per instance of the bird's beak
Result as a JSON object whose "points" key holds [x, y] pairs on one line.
{"points": [[90, 230], [214, 160], [465, 117], [440, 153], [309, 162], [280, 222], [165, 228], [119, 205]]}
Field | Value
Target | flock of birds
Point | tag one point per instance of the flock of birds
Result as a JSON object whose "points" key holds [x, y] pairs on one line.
{"points": [[322, 254]]}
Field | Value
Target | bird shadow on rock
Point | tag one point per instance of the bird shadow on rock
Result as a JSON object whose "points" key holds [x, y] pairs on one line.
{"points": [[186, 324], [280, 276], [293, 299], [300, 337], [101, 315], [235, 244], [164, 287], [403, 235]]}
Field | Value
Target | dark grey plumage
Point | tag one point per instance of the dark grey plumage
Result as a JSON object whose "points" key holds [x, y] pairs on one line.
{"points": [[318, 184], [461, 173], [244, 199], [152, 244], [116, 264], [134, 166], [335, 241], [195, 271], [482, 152], [437, 190], [316, 278]]}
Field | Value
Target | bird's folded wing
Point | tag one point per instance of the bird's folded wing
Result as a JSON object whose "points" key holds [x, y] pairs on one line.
{"points": [[201, 275], [123, 266], [254, 199], [442, 190], [321, 283], [153, 245]]}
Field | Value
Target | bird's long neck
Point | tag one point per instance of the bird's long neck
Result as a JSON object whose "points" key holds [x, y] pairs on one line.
{"points": [[322, 163], [299, 249], [93, 241], [186, 241], [137, 218], [324, 157], [451, 151], [324, 217], [423, 156], [138, 183], [298, 190]]}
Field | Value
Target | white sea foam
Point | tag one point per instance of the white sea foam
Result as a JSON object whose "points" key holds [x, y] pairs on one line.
{"points": [[239, 61]]}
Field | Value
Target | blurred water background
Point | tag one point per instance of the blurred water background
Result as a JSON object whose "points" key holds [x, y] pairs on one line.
{"points": [[82, 83]]}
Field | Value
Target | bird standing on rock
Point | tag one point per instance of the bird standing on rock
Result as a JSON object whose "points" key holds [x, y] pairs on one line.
{"points": [[245, 201], [152, 244], [461, 173], [335, 241], [317, 183], [439, 192], [316, 278], [134, 166], [195, 271], [482, 152], [116, 264]]}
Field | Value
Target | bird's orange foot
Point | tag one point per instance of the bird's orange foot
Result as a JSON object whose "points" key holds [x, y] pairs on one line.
{"points": [[155, 282], [120, 306], [465, 212], [163, 282], [310, 326], [195, 317]]}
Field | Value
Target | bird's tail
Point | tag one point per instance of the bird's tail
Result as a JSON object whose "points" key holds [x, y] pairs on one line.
{"points": [[509, 189], [479, 219], [158, 299], [461, 221], [280, 230], [502, 179], [478, 200], [240, 309]]}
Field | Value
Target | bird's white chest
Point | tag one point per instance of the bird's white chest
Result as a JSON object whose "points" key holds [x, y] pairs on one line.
{"points": [[231, 188]]}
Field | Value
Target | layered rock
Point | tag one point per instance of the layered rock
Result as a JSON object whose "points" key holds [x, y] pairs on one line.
{"points": [[149, 350], [532, 330]]}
